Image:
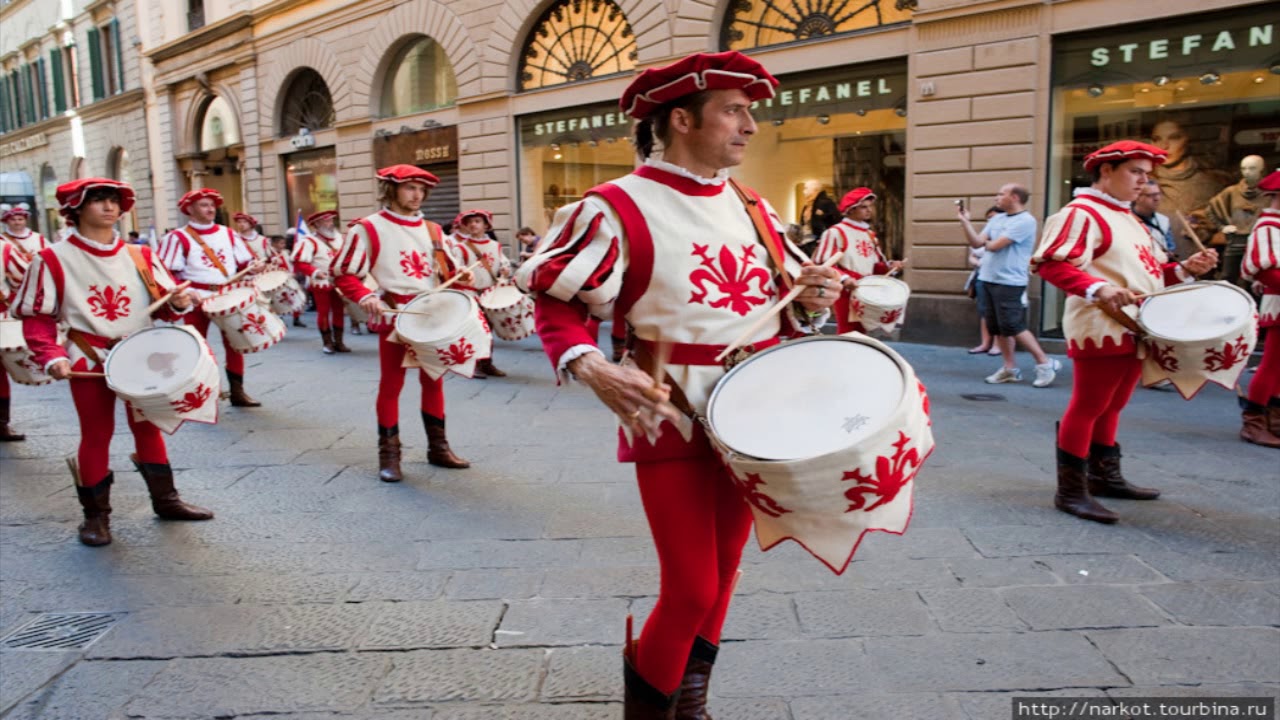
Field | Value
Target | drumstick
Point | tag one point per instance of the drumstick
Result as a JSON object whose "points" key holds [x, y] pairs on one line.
{"points": [[80, 374], [785, 301], [399, 311], [1187, 231], [166, 297], [660, 363], [454, 279]]}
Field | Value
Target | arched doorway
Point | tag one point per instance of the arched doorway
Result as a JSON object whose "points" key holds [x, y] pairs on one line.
{"points": [[311, 175], [216, 162]]}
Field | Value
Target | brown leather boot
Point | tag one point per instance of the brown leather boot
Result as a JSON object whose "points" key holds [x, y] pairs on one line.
{"points": [[6, 433], [1273, 416], [1255, 426], [691, 702], [438, 452], [338, 345], [1105, 479], [619, 348], [326, 335], [1073, 490], [240, 398], [486, 366], [642, 701], [389, 454], [164, 496], [96, 502]]}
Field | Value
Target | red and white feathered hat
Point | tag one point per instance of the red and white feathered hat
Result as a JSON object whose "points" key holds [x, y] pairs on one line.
{"points": [[729, 70], [1125, 150], [246, 217], [186, 201], [71, 195], [408, 173], [1270, 184], [316, 217], [462, 217], [14, 212], [855, 196]]}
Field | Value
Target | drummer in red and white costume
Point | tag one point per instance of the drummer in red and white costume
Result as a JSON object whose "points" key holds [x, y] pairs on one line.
{"points": [[16, 231], [1097, 251], [95, 283], [1262, 267], [854, 237], [470, 243], [247, 229], [209, 255], [13, 266], [312, 255], [407, 255], [641, 244]]}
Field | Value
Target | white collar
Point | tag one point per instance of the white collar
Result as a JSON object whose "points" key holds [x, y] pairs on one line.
{"points": [[658, 163], [203, 228], [407, 218], [115, 238], [857, 223], [12, 234], [252, 235], [1091, 192]]}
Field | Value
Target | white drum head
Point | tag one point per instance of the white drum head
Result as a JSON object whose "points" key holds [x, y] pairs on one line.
{"points": [[154, 361], [446, 313], [11, 337], [805, 399], [502, 296], [1205, 313], [882, 291], [270, 281], [224, 302]]}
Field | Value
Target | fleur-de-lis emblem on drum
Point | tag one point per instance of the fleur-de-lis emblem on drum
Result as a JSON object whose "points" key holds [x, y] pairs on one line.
{"points": [[1163, 356], [759, 499], [1229, 356], [891, 316], [1149, 261], [732, 277], [414, 264], [458, 353], [855, 309], [892, 474], [109, 303], [924, 402], [254, 324], [193, 400]]}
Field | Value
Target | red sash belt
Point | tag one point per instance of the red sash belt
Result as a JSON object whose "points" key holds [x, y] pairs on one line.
{"points": [[696, 354], [208, 287]]}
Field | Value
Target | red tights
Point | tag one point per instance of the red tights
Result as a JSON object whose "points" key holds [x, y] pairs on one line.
{"points": [[4, 384], [329, 308], [1099, 391], [96, 407], [391, 382], [841, 309], [1266, 380], [200, 321], [699, 524]]}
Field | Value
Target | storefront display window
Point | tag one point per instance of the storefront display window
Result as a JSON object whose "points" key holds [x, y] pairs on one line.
{"points": [[311, 181], [1206, 89]]}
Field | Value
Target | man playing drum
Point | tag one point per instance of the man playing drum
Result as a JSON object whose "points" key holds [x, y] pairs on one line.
{"points": [[209, 255], [312, 255], [247, 230], [640, 244], [13, 266], [407, 256], [101, 288], [1261, 266], [1097, 252], [16, 231], [863, 256], [470, 243]]}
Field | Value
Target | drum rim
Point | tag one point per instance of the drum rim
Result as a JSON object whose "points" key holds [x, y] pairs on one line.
{"points": [[452, 331], [885, 281], [1203, 283], [897, 359]]}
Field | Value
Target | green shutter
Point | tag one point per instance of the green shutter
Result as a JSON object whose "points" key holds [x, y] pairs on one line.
{"points": [[28, 93], [59, 90], [4, 106], [42, 77], [95, 64], [119, 58]]}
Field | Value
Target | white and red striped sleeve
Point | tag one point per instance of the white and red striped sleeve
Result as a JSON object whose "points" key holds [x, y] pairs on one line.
{"points": [[41, 290], [173, 251], [1067, 246], [304, 250], [351, 263], [1263, 250], [581, 257]]}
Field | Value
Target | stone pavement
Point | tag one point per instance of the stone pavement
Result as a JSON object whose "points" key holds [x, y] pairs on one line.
{"points": [[500, 591]]}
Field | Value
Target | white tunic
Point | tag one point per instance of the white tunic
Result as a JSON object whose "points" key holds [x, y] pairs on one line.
{"points": [[400, 254], [486, 251], [183, 253], [858, 243]]}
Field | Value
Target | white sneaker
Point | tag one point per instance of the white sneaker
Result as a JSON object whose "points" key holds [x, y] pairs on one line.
{"points": [[1046, 373], [1005, 375]]}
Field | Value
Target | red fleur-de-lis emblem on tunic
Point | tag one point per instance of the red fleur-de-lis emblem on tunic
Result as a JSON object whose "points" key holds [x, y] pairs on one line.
{"points": [[109, 303], [1149, 261], [890, 316], [1163, 356], [221, 255], [865, 248], [891, 475], [732, 278], [254, 324], [458, 353], [414, 264], [193, 400], [1229, 356], [759, 499]]}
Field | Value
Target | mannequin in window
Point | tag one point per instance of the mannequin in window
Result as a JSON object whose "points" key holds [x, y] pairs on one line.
{"points": [[1233, 212]]}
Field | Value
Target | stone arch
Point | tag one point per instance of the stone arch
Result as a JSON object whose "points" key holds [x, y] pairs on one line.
{"points": [[306, 53], [190, 140], [411, 19]]}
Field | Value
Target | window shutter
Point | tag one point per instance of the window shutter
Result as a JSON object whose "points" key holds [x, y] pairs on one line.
{"points": [[59, 90], [42, 77], [95, 64], [119, 58], [4, 105], [28, 95]]}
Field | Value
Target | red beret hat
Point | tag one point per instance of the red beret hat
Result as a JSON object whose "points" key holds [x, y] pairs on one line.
{"points": [[186, 201], [14, 212], [1270, 184], [408, 173], [729, 70], [315, 217], [462, 217], [71, 195], [246, 217], [855, 196], [1124, 150]]}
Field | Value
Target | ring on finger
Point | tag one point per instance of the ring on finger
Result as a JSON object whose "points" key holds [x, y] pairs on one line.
{"points": [[822, 292], [635, 414]]}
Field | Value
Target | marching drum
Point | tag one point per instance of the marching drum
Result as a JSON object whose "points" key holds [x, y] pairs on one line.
{"points": [[247, 323], [880, 303], [1197, 333], [509, 311], [16, 356], [167, 375], [831, 450], [275, 288], [444, 331]]}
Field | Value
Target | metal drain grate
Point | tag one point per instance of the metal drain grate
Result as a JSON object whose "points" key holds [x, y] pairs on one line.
{"points": [[983, 397], [60, 631]]}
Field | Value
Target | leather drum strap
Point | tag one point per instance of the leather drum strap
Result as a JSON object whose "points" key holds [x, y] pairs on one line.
{"points": [[148, 277], [645, 360], [1124, 319], [208, 252], [776, 250], [82, 342]]}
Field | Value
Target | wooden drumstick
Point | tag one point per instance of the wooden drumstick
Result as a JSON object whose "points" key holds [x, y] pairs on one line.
{"points": [[87, 375], [785, 301], [1188, 232], [454, 279], [167, 297], [399, 311]]}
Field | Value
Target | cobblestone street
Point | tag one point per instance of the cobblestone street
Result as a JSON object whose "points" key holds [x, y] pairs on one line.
{"points": [[501, 591]]}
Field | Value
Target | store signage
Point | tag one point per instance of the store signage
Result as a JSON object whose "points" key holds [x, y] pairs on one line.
{"points": [[594, 121], [423, 147], [1162, 48], [852, 89], [582, 124], [304, 139], [24, 144]]}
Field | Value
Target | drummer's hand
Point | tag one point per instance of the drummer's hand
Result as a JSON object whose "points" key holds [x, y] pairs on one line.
{"points": [[466, 277], [1114, 296], [182, 300], [627, 391], [1257, 287], [895, 266], [60, 370], [823, 287], [1202, 262], [372, 304]]}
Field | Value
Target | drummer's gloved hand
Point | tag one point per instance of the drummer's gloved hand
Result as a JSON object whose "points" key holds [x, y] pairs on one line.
{"points": [[1202, 262], [823, 287], [60, 370], [628, 392]]}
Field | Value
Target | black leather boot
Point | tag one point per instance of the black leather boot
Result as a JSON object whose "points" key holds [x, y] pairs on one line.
{"points": [[691, 703], [240, 398], [338, 345], [1073, 490], [1105, 479], [327, 336], [438, 452], [165, 501], [389, 454], [642, 701], [6, 433]]}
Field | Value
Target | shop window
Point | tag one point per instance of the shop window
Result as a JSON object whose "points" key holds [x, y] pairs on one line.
{"points": [[577, 40], [218, 126], [759, 23], [420, 78], [311, 182], [307, 104], [1206, 89]]}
